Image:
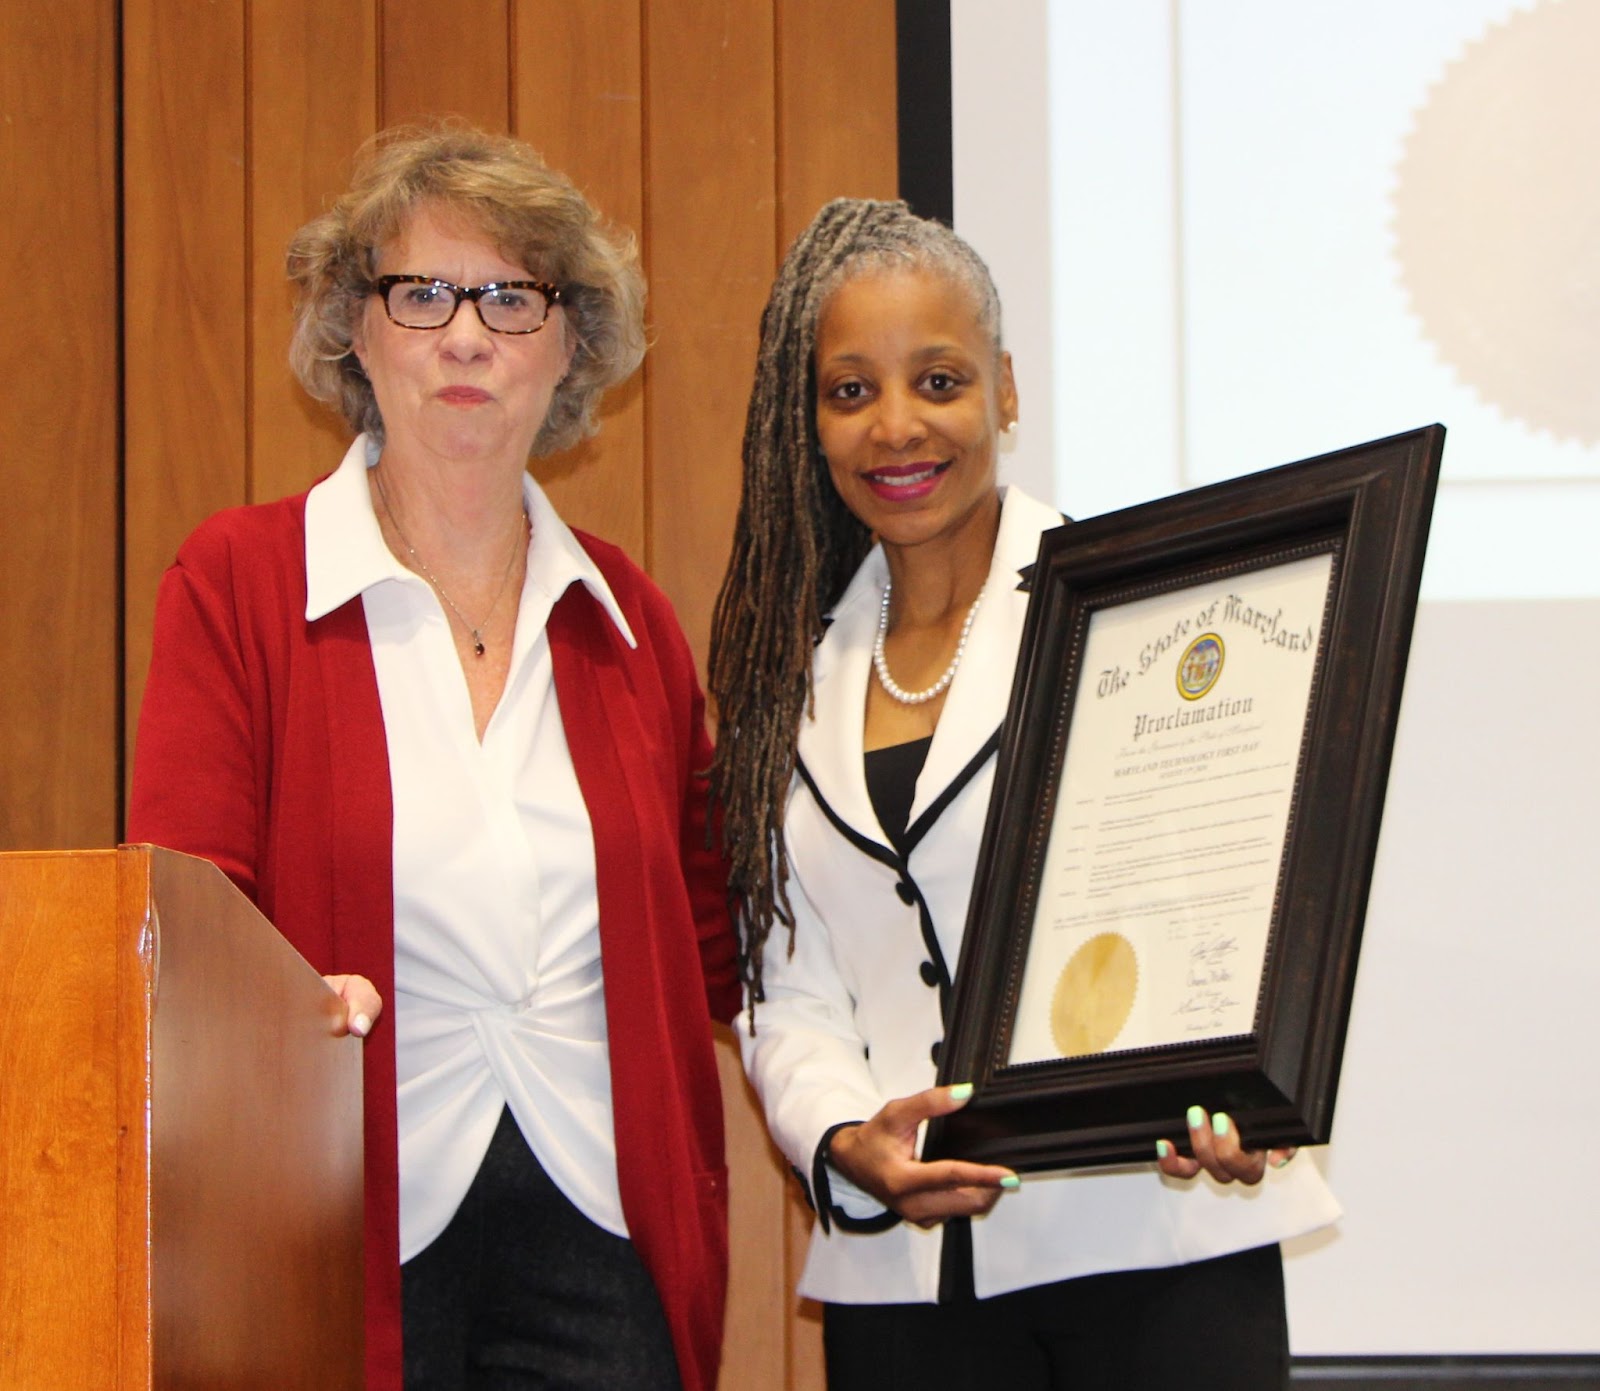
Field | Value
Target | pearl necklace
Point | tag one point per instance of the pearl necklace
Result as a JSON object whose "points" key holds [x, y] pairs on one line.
{"points": [[475, 629], [881, 666]]}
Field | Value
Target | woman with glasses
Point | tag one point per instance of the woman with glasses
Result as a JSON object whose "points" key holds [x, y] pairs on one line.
{"points": [[455, 752], [862, 660]]}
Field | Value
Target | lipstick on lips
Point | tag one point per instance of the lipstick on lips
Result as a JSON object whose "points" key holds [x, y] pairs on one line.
{"points": [[463, 396], [906, 482]]}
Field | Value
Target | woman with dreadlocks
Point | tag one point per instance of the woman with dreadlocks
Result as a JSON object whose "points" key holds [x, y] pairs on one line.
{"points": [[861, 659]]}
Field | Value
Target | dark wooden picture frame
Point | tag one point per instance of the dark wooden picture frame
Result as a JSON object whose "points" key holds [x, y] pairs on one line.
{"points": [[1368, 507]]}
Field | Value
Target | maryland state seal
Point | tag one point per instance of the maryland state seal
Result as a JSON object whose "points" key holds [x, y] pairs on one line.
{"points": [[1200, 666]]}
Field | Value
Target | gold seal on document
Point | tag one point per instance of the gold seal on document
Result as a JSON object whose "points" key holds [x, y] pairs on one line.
{"points": [[1094, 995], [1200, 666]]}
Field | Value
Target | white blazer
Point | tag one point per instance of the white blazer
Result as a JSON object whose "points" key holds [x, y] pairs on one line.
{"points": [[854, 1017]]}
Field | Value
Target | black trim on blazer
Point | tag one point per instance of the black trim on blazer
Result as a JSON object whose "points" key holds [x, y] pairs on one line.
{"points": [[901, 863], [895, 861], [957, 1281], [924, 823], [829, 1213], [914, 836], [865, 844], [930, 942]]}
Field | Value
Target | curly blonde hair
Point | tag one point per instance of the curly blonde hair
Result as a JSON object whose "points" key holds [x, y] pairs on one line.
{"points": [[534, 215]]}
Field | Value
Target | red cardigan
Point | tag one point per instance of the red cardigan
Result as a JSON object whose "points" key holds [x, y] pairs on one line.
{"points": [[261, 747]]}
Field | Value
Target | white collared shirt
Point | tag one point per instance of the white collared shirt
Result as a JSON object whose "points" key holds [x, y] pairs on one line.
{"points": [[498, 993]]}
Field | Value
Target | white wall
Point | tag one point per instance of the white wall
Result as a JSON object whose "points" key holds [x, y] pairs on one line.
{"points": [[1000, 96], [1269, 231]]}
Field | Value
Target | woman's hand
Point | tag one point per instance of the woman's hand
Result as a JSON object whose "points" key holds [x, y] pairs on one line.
{"points": [[879, 1157], [1217, 1150], [362, 1003]]}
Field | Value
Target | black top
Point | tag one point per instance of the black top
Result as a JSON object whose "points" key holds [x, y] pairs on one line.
{"points": [[892, 774]]}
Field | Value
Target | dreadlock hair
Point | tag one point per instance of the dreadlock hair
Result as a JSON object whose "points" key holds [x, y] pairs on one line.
{"points": [[795, 544]]}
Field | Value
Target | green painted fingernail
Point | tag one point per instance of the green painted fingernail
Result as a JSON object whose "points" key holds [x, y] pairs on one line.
{"points": [[1163, 1150], [961, 1091], [1197, 1118], [1011, 1183], [1220, 1124]]}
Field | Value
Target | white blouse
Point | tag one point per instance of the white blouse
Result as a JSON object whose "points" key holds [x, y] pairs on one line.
{"points": [[499, 999]]}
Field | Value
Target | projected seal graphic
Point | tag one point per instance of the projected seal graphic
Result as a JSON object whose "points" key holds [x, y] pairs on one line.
{"points": [[1094, 995], [1495, 213]]}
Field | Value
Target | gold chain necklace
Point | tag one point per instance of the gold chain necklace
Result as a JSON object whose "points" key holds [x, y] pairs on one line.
{"points": [[475, 629]]}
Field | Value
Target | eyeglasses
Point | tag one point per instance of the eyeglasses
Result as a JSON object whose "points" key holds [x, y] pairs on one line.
{"points": [[504, 306]]}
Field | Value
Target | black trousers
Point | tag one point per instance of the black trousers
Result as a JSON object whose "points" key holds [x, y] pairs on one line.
{"points": [[1216, 1325], [522, 1292]]}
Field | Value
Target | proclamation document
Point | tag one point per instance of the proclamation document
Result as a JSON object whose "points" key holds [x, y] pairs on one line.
{"points": [[1155, 905]]}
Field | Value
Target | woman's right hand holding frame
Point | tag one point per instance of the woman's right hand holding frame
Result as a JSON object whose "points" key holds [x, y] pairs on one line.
{"points": [[879, 1156]]}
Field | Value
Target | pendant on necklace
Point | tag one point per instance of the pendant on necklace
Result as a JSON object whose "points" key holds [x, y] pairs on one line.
{"points": [[477, 644]]}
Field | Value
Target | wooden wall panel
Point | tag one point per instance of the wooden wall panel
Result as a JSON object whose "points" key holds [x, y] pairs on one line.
{"points": [[186, 297], [58, 434], [709, 234], [446, 60], [802, 1317], [710, 229], [577, 97], [312, 104], [756, 1335], [836, 106]]}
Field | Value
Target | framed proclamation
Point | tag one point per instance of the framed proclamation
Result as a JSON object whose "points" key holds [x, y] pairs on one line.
{"points": [[1175, 866]]}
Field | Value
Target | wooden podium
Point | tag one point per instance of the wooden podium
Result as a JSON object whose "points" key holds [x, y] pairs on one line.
{"points": [[180, 1137]]}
